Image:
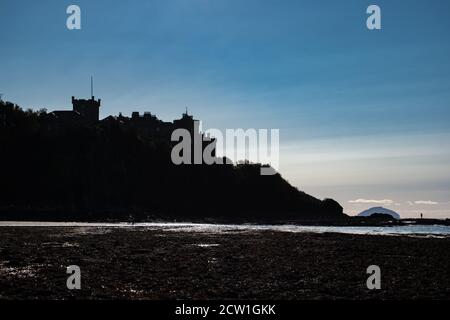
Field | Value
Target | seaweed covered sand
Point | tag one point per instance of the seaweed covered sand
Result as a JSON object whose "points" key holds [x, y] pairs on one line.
{"points": [[138, 263]]}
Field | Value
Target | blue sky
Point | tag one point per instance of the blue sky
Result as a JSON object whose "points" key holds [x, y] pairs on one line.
{"points": [[364, 116]]}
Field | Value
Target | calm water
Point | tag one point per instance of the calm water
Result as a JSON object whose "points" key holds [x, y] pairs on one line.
{"points": [[419, 230]]}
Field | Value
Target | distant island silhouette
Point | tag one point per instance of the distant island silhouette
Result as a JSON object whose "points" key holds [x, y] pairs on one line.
{"points": [[71, 166]]}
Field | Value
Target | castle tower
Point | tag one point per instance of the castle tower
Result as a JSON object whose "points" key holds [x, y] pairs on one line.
{"points": [[187, 122], [89, 109]]}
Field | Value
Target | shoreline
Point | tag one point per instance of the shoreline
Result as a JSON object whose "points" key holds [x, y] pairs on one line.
{"points": [[7, 215], [409, 230], [350, 221]]}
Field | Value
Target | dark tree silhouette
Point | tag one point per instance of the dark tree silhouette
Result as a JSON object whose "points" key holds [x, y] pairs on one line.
{"points": [[109, 171]]}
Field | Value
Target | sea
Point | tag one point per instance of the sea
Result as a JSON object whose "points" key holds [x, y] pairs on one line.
{"points": [[407, 230]]}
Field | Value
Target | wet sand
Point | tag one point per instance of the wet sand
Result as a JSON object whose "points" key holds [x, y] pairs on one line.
{"points": [[137, 263]]}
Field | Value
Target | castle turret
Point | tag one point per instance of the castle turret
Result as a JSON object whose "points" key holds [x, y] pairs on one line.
{"points": [[89, 109]]}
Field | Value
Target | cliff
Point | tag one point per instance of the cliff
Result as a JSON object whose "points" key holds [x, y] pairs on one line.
{"points": [[110, 172]]}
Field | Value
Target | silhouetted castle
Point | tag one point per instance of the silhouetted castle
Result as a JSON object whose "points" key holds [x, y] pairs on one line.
{"points": [[88, 109], [85, 112]]}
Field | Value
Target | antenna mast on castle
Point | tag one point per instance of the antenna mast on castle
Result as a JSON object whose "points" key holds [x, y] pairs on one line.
{"points": [[92, 87]]}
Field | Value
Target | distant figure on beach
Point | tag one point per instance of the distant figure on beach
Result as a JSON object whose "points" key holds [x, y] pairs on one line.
{"points": [[421, 216], [131, 219]]}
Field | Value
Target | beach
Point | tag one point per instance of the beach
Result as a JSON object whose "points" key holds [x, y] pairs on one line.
{"points": [[148, 264]]}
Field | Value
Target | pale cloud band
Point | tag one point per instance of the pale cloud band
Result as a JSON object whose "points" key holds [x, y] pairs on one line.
{"points": [[384, 201], [426, 202], [389, 201]]}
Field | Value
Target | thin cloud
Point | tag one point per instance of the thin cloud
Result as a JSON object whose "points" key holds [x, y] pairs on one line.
{"points": [[383, 201], [426, 202]]}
